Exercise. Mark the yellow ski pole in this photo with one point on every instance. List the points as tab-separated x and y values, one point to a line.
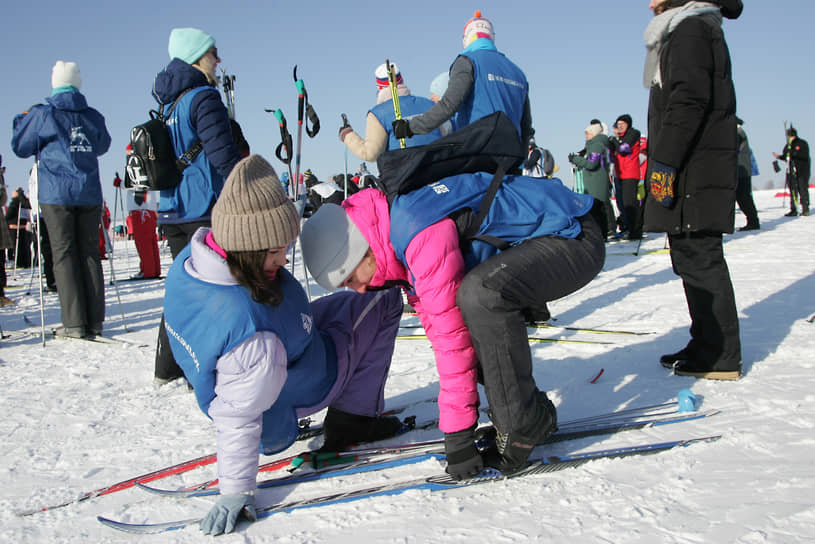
395	95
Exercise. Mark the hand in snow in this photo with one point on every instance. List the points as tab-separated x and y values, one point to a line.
223	516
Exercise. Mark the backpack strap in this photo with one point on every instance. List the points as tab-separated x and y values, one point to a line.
189	155
470	231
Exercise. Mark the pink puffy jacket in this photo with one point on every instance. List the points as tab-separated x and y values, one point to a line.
436	270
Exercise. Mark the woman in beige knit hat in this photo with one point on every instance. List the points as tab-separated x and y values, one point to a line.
259	355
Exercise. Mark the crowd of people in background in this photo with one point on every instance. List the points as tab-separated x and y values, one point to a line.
276	355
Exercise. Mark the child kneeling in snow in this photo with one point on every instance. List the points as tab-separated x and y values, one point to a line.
259	355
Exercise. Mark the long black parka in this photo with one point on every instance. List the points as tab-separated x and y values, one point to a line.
692	127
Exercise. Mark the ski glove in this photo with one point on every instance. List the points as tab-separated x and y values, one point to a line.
345	130
401	129
463	459
223	516
624	149
662	183
571	157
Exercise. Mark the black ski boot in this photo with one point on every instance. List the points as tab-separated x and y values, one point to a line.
342	429
512	449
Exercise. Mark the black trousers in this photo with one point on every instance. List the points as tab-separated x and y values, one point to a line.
698	258
799	189
73	232
744	198
492	299
178	236
631	205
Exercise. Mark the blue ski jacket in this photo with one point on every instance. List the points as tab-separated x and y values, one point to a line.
199	115
67	137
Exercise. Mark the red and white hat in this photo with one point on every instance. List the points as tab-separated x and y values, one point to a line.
382	76
477	27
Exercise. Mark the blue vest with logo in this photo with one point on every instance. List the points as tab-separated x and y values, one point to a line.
193	198
498	85
523	208
409	107
205	321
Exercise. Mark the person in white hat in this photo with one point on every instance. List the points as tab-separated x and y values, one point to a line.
67	136
379	121
260	356
482	81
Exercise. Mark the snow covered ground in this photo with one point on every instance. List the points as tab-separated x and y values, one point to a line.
78	416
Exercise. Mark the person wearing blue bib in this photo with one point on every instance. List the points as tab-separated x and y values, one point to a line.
537	242
482	81
260	356
200	115
378	129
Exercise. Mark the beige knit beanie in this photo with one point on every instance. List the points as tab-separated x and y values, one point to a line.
253	212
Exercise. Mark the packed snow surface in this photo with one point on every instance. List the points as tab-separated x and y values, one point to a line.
78	416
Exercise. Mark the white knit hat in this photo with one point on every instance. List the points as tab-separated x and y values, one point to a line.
381	76
65	73
595	129
253	211
332	245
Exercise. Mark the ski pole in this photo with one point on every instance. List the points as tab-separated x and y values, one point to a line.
108	244
285	146
397	110
304	112
345	192
228	83
39	258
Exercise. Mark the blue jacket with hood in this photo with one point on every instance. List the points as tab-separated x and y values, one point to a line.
199	115
67	136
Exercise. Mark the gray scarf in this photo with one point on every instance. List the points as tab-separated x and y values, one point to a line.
659	32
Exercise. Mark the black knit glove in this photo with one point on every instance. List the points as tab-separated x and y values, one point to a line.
463	459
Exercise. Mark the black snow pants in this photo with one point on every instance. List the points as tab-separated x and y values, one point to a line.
492	298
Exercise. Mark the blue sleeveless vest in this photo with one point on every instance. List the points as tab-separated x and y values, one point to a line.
409	106
194	196
523	208
205	321
498	85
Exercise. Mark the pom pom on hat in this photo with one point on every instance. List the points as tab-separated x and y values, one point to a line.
381	75
332	246
189	44
253	212
477	27
64	74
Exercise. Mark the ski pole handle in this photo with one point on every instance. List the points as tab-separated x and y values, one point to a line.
397	110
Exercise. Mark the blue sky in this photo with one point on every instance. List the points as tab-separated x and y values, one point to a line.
582	59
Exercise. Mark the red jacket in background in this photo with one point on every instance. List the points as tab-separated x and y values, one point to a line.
628	165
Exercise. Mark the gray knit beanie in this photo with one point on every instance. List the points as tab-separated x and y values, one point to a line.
332	245
253	212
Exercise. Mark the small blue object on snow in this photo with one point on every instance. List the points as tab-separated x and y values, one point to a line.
687	400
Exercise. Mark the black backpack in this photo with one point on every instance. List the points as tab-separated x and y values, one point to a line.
482	146
152	164
490	144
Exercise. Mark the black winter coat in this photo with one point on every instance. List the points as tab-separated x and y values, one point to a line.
692	127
